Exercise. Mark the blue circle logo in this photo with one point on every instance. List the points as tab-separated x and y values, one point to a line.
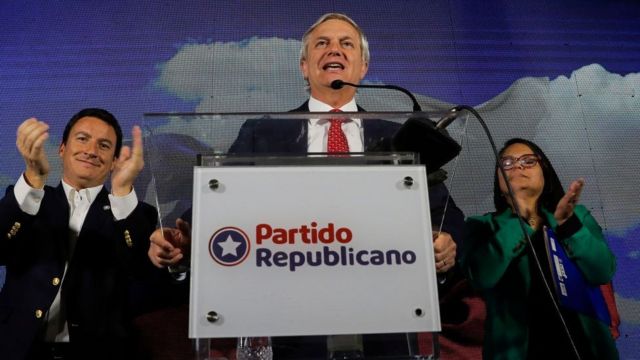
229	246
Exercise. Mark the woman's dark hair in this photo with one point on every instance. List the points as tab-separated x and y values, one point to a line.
101	114
552	191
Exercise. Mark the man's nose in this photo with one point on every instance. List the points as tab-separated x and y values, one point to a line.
334	49
91	149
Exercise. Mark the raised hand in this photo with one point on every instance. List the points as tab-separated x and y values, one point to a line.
30	139
128	165
565	206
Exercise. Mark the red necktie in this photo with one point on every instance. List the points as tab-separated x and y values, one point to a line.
336	139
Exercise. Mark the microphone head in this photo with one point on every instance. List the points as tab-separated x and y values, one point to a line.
337	84
448	118
419	135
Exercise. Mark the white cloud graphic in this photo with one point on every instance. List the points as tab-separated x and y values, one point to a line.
258	74
588	124
629	309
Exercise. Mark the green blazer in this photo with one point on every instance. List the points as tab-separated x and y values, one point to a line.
492	260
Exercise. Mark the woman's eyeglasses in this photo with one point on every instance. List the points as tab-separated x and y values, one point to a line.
526	161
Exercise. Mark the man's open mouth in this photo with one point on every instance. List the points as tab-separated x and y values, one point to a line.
333	66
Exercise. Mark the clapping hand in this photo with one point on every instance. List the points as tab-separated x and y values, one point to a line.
564	209
128	165
30	139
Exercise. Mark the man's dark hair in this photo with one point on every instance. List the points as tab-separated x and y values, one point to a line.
101	114
552	191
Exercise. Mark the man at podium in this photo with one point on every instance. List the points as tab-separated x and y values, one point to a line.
334	48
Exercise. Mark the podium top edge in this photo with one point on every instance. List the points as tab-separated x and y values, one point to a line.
291	114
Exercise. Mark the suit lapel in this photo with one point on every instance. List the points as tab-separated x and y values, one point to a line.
61	213
61	202
280	136
96	215
377	133
299	131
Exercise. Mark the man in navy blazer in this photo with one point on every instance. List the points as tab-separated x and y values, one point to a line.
334	48
72	251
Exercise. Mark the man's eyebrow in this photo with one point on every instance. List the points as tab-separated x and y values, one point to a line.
84	133
102	140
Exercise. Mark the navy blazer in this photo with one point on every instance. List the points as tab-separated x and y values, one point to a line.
96	288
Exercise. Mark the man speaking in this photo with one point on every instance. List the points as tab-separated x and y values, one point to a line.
333	48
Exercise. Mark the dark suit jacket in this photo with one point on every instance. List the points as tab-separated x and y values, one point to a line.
290	136
96	288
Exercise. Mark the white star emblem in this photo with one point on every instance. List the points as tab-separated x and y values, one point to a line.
229	246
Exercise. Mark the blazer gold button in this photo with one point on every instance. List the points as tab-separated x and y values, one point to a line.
55	281
39	314
127	238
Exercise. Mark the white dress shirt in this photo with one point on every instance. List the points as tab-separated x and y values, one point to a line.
318	129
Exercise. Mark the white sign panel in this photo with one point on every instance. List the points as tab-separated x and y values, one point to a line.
311	250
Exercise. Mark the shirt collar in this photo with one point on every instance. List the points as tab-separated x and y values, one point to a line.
316	105
90	193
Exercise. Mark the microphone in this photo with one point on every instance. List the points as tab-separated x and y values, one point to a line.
339	84
429	139
422	136
419	134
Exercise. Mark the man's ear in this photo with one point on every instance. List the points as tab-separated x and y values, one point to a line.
304	69
113	163
363	71
61	150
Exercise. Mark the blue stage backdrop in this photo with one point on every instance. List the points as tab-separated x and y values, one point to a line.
562	73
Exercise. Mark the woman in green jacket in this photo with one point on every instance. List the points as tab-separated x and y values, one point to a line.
522	318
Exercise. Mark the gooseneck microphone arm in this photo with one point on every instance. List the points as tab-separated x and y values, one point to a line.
444	122
451	115
339	84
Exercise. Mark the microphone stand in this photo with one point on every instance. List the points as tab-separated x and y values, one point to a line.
339	84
